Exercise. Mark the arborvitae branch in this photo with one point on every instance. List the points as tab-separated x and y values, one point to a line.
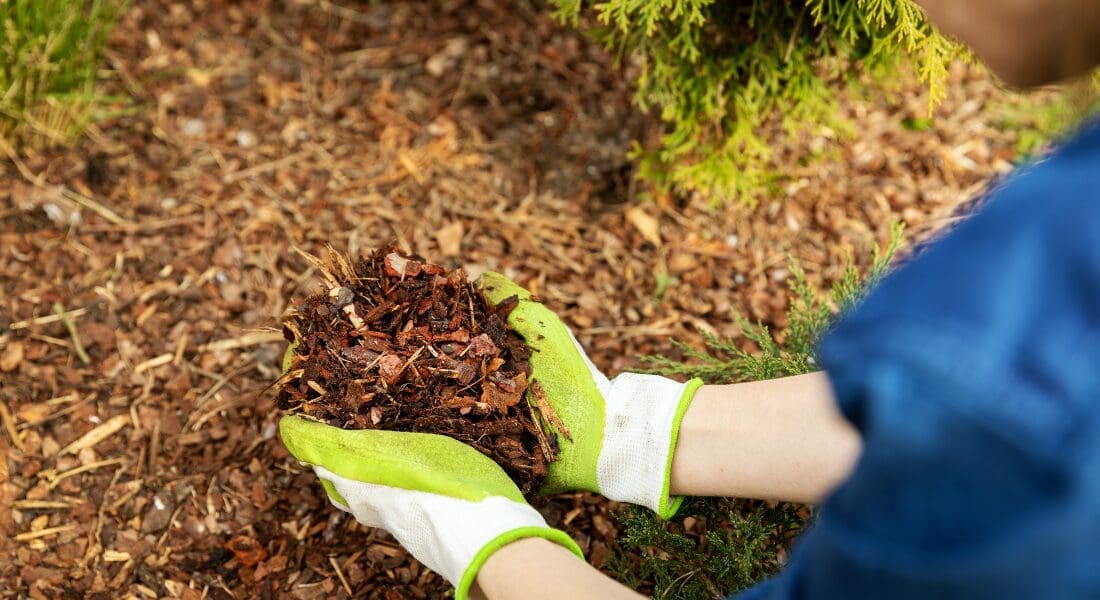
718	70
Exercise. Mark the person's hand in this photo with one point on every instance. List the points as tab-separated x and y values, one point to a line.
449	505
623	431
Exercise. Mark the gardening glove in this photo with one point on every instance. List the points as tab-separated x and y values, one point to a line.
623	430
449	505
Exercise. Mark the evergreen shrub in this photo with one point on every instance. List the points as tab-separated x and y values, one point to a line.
721	73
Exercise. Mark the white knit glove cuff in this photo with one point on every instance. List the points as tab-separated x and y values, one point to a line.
643	414
446	534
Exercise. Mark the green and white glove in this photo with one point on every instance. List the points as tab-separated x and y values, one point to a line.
623	429
449	505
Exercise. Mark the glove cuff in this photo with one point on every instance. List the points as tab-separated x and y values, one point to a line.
462	587
642	423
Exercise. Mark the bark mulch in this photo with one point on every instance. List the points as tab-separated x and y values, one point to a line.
401	344
143	273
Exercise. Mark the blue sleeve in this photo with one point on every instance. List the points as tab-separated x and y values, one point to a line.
973	375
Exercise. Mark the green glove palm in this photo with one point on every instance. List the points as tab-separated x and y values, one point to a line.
449	505
623	430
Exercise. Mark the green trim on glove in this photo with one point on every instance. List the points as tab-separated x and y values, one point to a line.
413	461
670	505
462	590
563	373
333	495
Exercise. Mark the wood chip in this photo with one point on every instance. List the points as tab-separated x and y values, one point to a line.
11	356
115	556
249	339
105	430
57	479
152	363
645	224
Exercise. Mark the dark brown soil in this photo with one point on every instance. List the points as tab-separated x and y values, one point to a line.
400	344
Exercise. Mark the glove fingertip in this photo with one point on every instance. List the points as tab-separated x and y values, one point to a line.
296	433
497	288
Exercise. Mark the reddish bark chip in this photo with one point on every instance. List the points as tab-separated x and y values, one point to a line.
483	345
400	266
246	550
389	367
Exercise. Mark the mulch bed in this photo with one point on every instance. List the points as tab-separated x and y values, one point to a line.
143	273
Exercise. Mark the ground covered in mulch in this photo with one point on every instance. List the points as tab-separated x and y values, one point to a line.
143	274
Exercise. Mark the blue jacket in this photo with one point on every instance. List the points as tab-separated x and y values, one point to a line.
973	375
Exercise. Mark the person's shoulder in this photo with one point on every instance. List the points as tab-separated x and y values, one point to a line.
1067	178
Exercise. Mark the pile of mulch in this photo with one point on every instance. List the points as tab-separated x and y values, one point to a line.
400	344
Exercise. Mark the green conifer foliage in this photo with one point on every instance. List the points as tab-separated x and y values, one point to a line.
718	71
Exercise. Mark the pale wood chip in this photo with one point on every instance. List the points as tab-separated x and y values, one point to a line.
115	556
107	429
154	362
254	338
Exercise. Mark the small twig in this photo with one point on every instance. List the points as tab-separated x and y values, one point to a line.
40	504
71	326
82	469
794	32
340	574
33	535
265	167
219	382
626	330
414	356
96	207
52	340
180	348
71	314
58	414
341	12
547	410
544	443
9	425
154	362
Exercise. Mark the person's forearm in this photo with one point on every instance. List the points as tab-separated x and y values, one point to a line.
781	439
536	568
